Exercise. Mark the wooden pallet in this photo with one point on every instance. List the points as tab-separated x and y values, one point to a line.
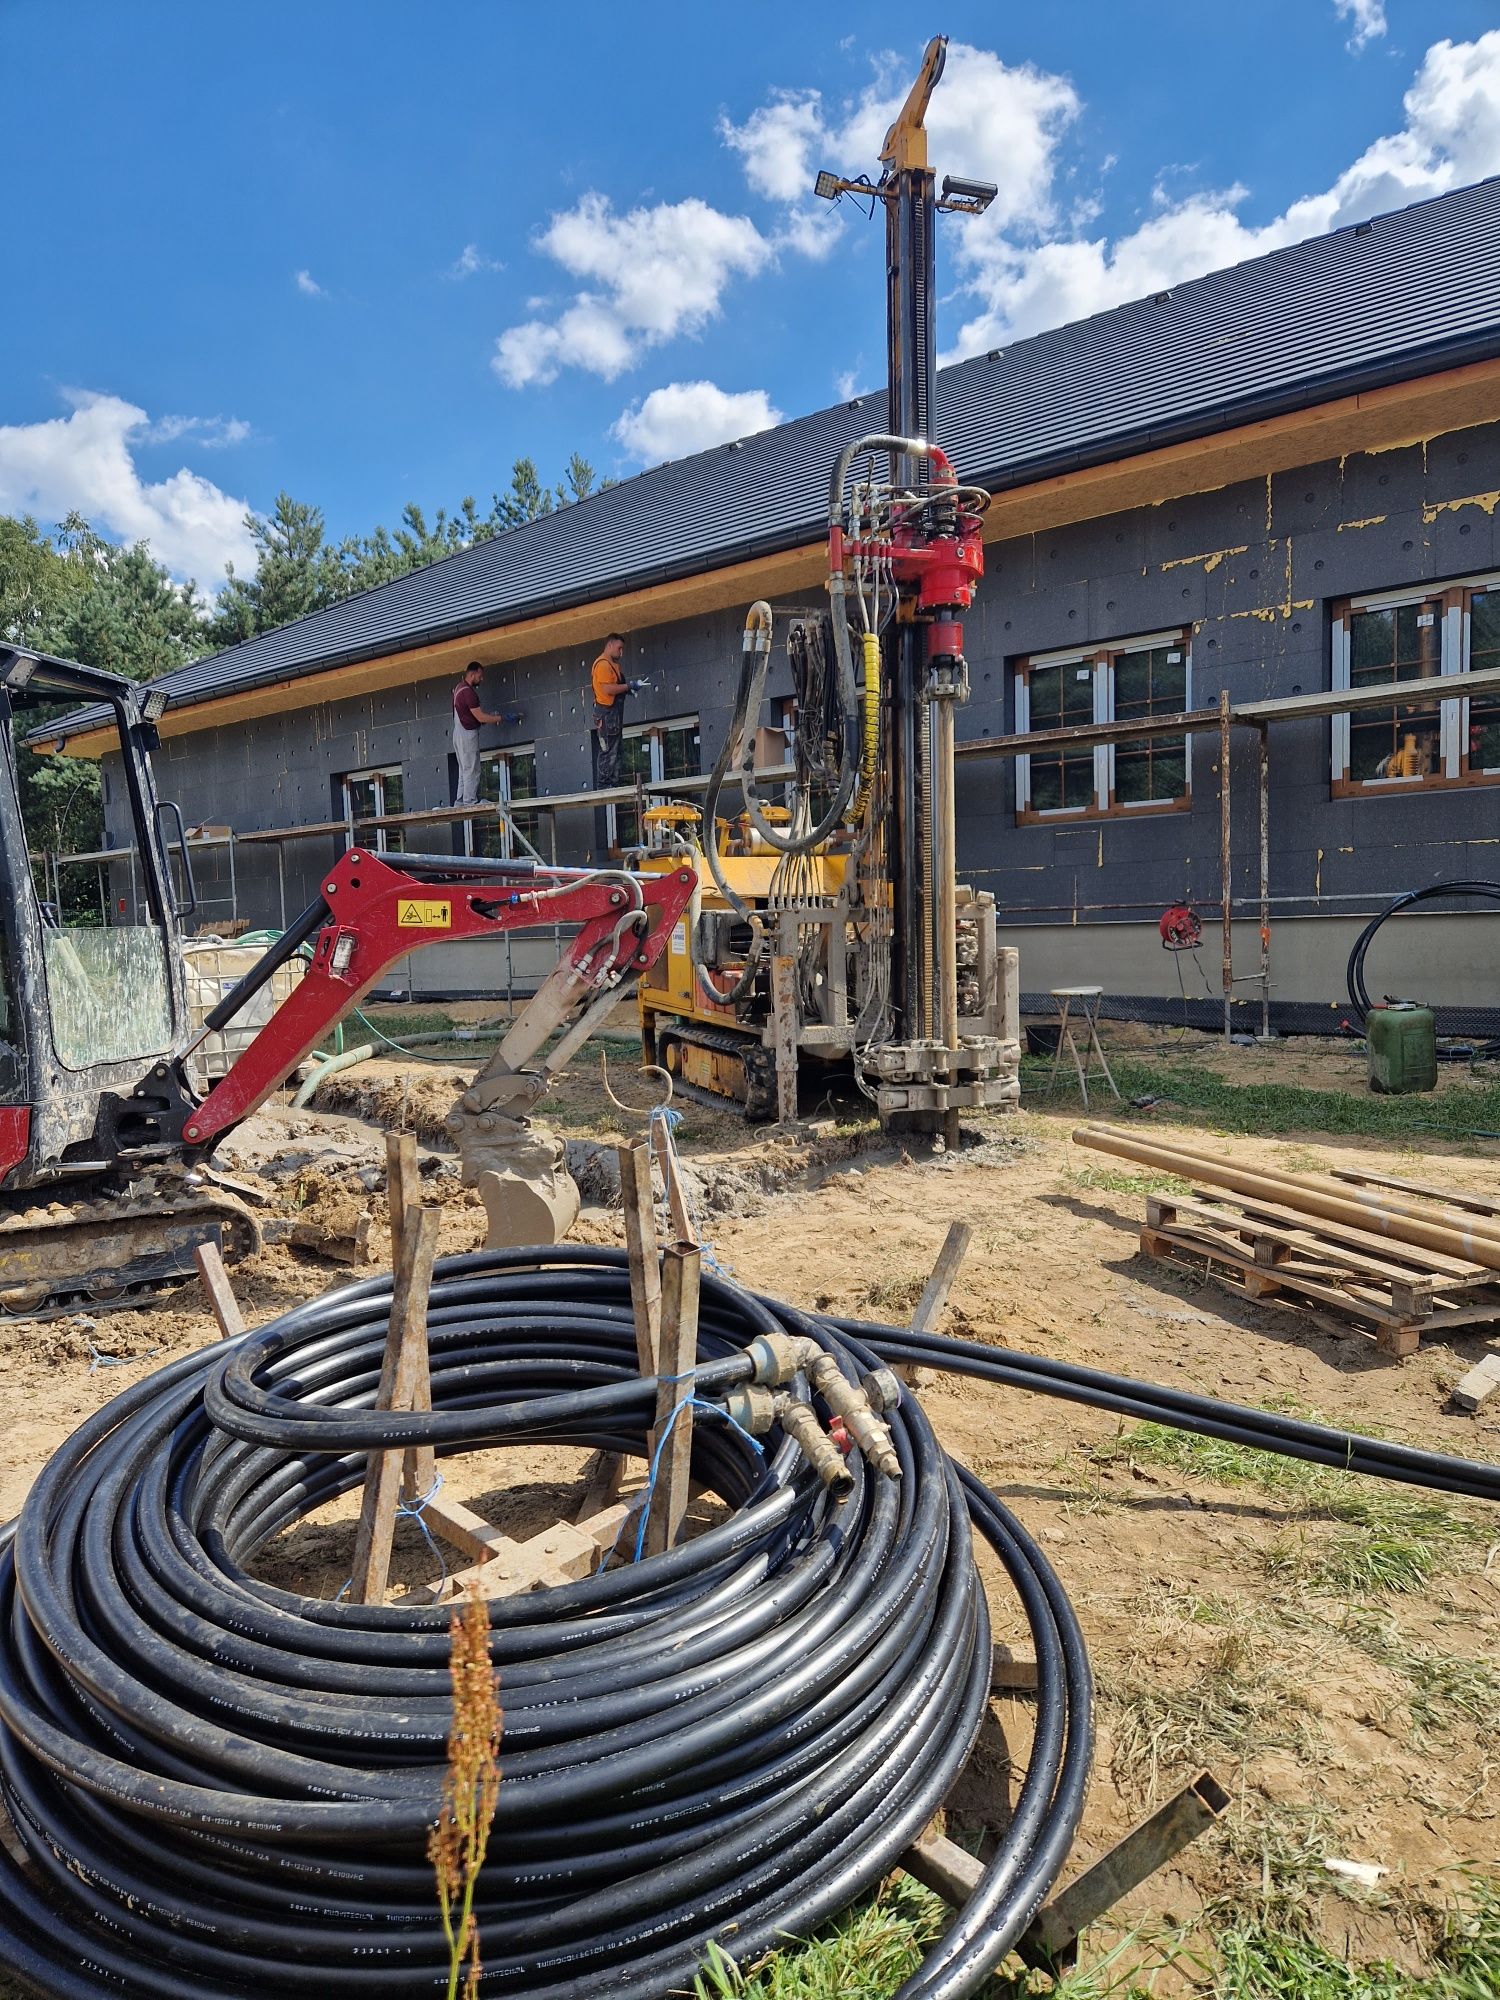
1397	1292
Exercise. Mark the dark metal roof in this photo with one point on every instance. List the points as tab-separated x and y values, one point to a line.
1377	302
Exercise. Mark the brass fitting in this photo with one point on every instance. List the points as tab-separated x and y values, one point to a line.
860	1420
820	1451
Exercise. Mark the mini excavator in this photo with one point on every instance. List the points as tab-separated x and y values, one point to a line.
106	1137
829	928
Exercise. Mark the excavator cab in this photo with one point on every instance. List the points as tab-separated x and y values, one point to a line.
92	1003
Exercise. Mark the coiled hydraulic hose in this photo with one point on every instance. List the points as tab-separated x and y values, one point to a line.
223	1788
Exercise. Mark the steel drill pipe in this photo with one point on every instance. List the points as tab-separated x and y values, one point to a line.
1473	1238
224	1788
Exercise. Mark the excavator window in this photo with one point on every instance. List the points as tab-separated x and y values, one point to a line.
108	993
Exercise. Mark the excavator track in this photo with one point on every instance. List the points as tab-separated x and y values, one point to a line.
717	1067
58	1257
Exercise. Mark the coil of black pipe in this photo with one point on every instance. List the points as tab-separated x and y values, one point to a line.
223	1789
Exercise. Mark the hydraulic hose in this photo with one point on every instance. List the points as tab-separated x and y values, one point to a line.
224	1788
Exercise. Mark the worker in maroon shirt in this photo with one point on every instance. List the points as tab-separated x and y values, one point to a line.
468	717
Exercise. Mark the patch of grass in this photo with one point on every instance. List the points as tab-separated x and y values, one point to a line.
896	1296
1117	1180
1261	1961
1233	1697
867	1953
1390	1538
863	1955
1278	1108
1442	1689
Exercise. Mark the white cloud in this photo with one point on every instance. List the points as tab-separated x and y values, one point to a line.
988	120
1367	19
210	433
684	417
846	383
1451	137
306	282
86	461
471	260
645	277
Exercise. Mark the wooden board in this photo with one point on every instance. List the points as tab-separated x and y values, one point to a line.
1395	1291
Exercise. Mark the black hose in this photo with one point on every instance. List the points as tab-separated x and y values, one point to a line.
1354	974
223	1788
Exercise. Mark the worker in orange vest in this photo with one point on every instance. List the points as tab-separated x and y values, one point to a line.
610	690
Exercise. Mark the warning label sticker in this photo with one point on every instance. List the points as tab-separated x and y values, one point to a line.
679	935
424	916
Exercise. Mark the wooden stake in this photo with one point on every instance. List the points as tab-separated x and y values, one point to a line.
935	1296
677	1208
403	1180
221	1298
640	1245
404	1363
679	1351
636	1194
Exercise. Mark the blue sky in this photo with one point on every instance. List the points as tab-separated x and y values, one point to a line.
373	253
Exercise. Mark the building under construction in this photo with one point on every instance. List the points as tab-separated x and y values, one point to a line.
1215	511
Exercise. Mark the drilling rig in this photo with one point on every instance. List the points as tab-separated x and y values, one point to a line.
829	927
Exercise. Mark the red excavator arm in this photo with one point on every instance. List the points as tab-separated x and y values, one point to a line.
375	910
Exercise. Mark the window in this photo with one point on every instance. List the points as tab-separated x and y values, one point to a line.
1433	637
650	752
1137	681
368	795
505	777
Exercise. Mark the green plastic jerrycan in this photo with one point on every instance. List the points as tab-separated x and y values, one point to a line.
1401	1045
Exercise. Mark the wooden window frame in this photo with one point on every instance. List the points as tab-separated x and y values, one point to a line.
1100	660
1455	600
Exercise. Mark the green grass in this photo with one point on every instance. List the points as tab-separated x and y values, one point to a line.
1117	1180
1275	1109
1260	1962
1385	1537
866	1955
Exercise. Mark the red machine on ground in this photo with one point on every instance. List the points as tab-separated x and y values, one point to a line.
97	1094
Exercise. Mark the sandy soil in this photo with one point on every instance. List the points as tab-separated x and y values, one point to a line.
1210	1646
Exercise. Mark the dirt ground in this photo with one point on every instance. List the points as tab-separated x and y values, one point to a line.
1345	1719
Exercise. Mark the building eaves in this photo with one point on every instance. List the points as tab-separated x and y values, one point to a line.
1407	294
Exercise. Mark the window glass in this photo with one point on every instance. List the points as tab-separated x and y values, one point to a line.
107	993
1401	642
1151	681
1061	696
504	777
1483	745
651	753
370	795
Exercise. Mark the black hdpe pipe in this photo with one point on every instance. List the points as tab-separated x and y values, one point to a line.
1354	971
223	1788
